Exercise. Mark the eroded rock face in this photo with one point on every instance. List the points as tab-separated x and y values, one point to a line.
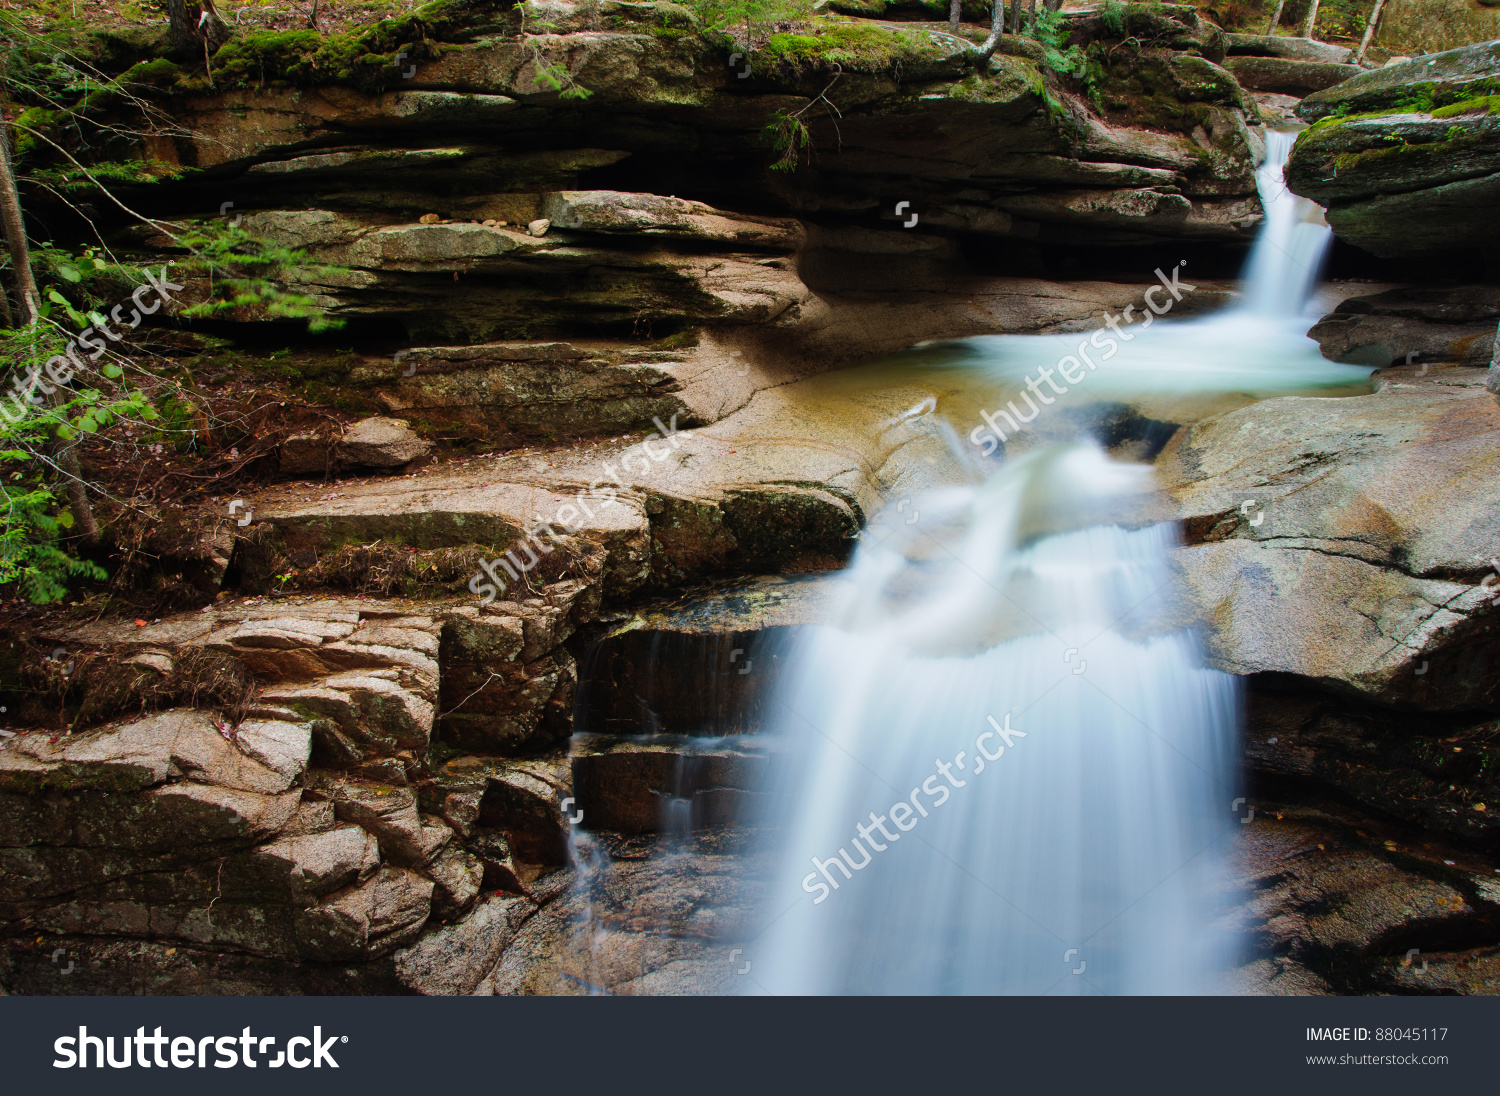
1363	558
1413	324
1407	157
1341	904
643	923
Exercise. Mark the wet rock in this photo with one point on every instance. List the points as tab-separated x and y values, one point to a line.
646	784
1333	909
640	921
1432	772
1413	324
704	663
525	800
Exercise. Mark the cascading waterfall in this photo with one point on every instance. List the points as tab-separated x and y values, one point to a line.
1008	765
1289	249
1257	347
1008	770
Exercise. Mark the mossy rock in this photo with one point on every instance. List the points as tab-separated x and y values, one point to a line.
1343	159
1422	84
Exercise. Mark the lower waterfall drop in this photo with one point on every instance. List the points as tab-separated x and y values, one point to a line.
1007	770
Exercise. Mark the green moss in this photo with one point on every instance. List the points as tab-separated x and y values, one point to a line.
865	49
1403	151
158	72
1484	104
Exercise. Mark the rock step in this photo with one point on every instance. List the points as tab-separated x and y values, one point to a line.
668	783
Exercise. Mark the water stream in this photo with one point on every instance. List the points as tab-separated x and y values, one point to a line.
1008	769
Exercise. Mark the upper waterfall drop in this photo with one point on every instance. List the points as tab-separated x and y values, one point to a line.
1293	240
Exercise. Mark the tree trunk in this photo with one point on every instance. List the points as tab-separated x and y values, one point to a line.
1276	17
1309	29
15	237
955	15
5	312
1370	30
1015	16
20	258
997	28
190	30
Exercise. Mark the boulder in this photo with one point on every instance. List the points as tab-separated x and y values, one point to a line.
1289	77
1308	50
1454	76
1413	324
1407	157
1342	160
380	443
1348	541
374	442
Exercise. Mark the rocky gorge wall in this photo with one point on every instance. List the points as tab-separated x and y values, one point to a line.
628	316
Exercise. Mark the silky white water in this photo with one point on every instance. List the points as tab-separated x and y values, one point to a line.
1008	770
1257	347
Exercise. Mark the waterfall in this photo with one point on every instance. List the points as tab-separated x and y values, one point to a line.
1006	768
1007	771
1289	249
